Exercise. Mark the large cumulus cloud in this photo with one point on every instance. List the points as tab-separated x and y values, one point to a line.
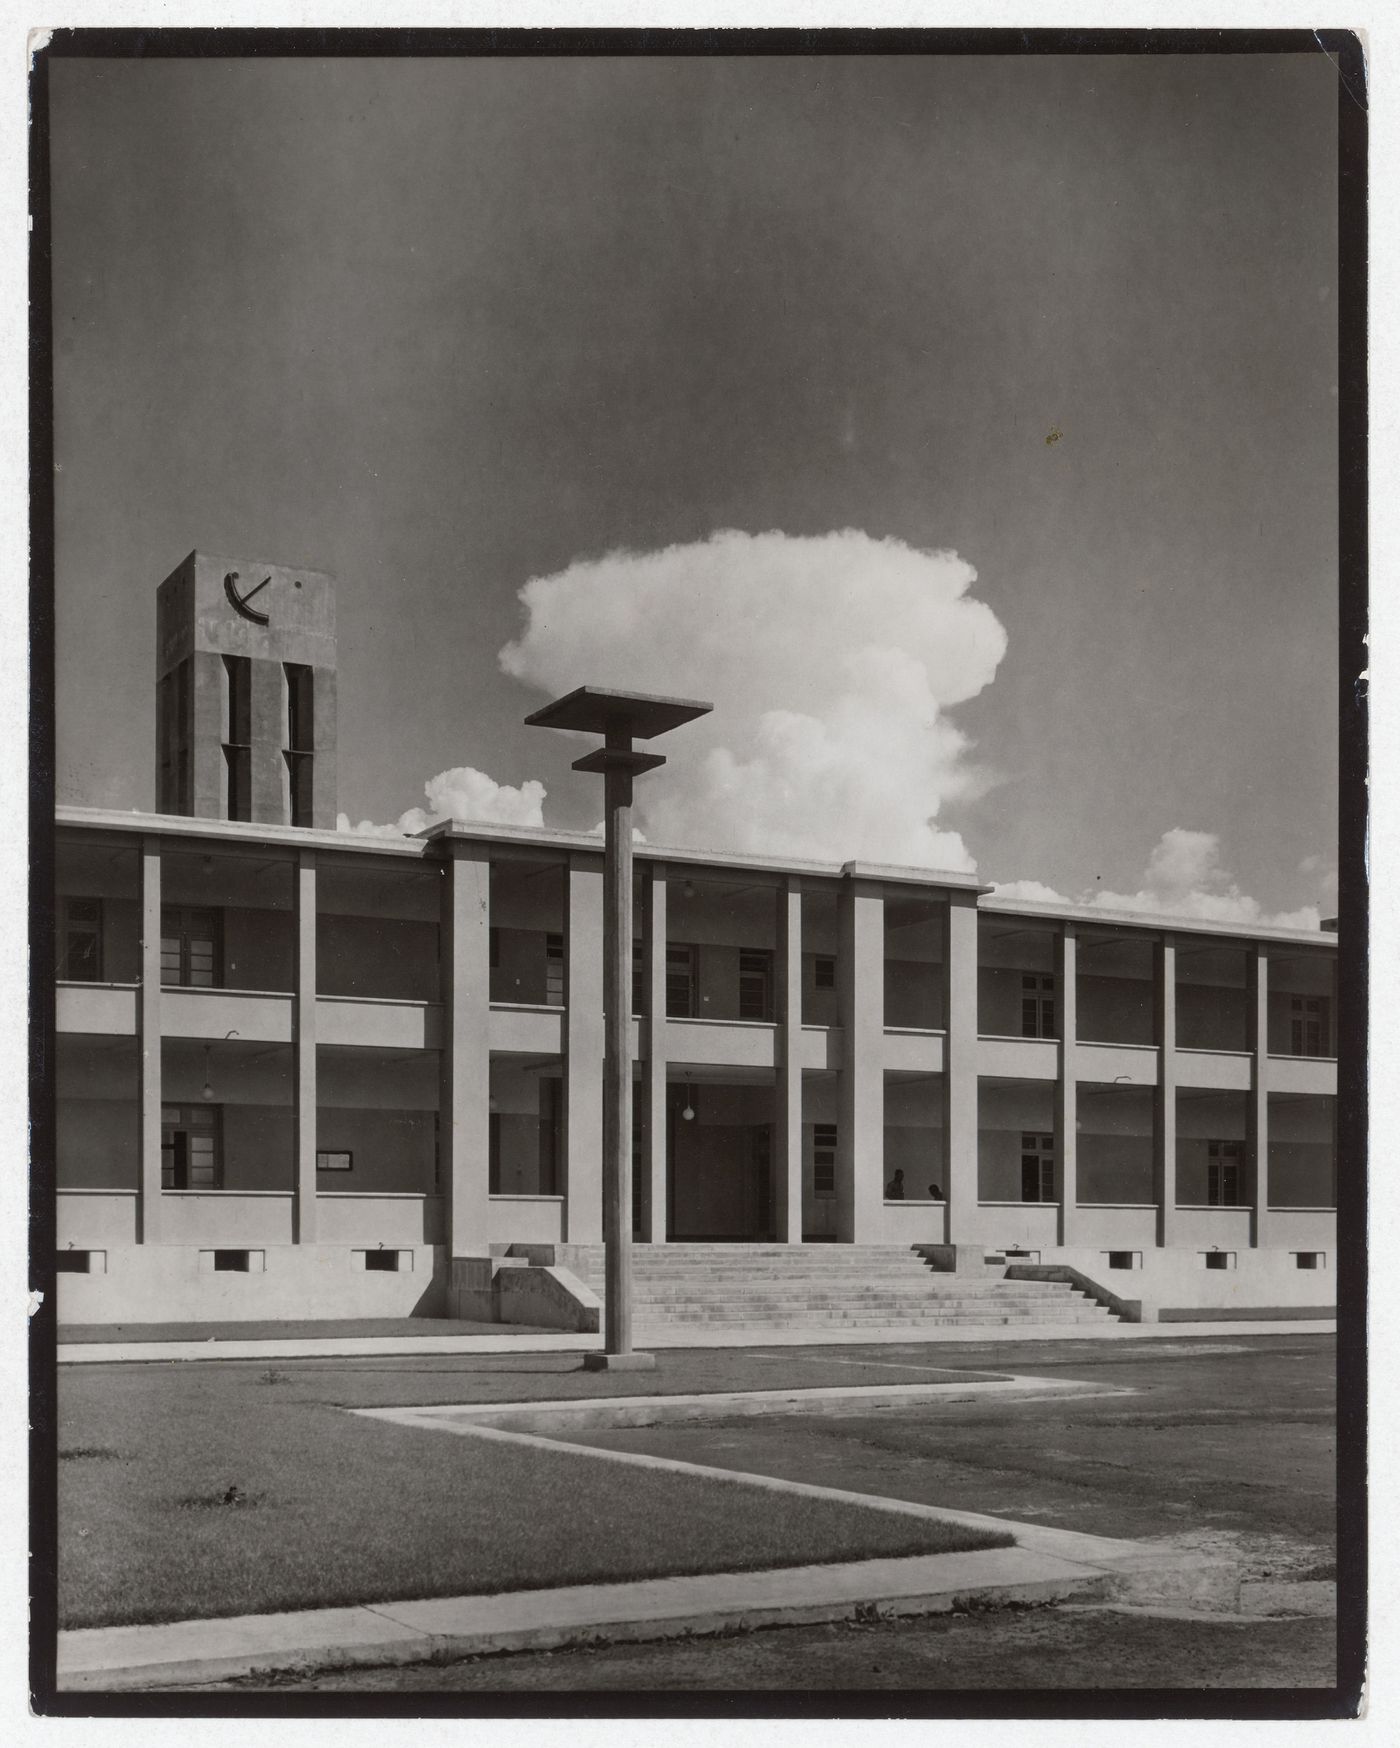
831	660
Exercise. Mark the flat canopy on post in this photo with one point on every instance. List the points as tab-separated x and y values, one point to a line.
594	710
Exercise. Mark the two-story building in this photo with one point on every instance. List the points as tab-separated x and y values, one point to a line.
306	1073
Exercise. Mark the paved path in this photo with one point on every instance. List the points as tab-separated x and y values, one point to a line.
330	1346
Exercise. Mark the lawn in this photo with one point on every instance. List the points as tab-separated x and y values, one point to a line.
191	1490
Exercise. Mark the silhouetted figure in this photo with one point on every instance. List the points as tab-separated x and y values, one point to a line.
894	1189
935	1193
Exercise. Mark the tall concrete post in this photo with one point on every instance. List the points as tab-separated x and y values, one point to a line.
149	1206
787	1150
304	1098
654	1163
860	1136
1257	1118
619	717
960	1068
583	1052
465	1121
1164	1102
617	1057
1066	1085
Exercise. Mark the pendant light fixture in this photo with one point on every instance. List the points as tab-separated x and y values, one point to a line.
688	1113
207	1091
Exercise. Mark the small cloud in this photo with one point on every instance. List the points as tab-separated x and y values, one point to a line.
1184	877
1031	891
464	794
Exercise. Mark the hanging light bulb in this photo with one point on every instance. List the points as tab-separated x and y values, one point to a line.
207	1091
689	1112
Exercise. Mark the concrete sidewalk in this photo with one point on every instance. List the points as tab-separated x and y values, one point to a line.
346	1347
185	1652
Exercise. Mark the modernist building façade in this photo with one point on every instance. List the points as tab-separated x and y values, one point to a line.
302	1072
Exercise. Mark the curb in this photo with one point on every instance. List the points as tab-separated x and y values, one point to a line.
75	1353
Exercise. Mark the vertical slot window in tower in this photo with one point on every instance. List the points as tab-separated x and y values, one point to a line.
238	737
301	741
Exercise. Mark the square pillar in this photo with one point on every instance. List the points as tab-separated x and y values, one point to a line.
1257	1116
583	1051
1164	1102
860	978
960	1067
304	1047
1066	1087
653	1053
465	1124
787	1111
148	1027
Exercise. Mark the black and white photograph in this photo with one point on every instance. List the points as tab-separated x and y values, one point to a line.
698	947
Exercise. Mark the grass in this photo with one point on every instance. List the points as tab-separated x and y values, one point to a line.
200	1490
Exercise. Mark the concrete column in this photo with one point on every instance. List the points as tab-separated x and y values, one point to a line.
860	979
960	1068
653	1053
1066	1086
787	1092
148	1024
304	1047
1164	1104
1257	1116
583	1052
464	1122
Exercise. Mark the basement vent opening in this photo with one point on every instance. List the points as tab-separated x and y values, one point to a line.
237	1262
1310	1259
79	1262
385	1260
1220	1259
1125	1259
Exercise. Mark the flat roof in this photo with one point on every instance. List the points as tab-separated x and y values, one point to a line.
537	837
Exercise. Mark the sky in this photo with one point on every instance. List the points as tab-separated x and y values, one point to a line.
964	428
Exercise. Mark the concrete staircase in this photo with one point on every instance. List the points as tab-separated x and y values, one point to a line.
768	1287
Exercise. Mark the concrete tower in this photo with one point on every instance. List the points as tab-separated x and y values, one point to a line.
245	692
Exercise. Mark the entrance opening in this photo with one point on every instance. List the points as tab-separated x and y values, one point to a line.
719	1139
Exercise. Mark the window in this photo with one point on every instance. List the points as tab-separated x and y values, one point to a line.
1037	1007
301	741
190	947
554	970
823	972
80	953
680	982
1308	1025
1037	1168
755	986
639	979
190	1147
824	1161
1225	1170
238	751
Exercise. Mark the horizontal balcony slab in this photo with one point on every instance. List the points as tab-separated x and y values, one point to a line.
214	1013
361	1217
1227	1228
721	1043
1018	1058
913	1052
1127	1064
100	1009
1219	1070
527	1031
389	1025
1302	1074
225	1219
